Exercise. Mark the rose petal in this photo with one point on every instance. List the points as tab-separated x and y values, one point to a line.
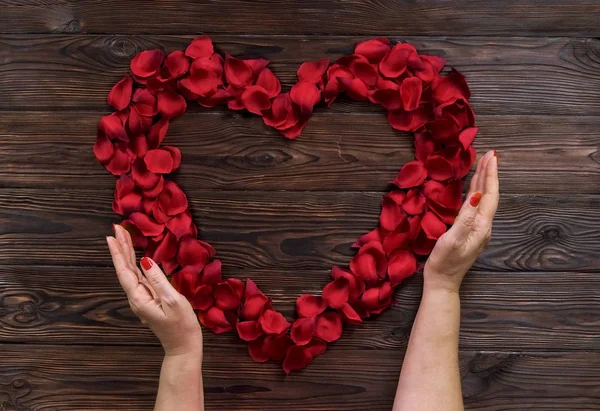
202	299
159	161
408	120
256	350
312	71
226	297
120	94
439	168
211	274
249	330
191	254
355	285
256	99
157	133
253	306
167	248
303	330
147	63
112	127
401	265
450	87
172	199
177	64
329	327
237	72
200	47
432	226
336	293
391	214
414	203
296	359
171	104
374	49
180	224
143	177
103	148
310	305
273	322
395	62
355	88
305	95
467	136
147	226
411	90
349	315
215	320
268	81
370	262
412	174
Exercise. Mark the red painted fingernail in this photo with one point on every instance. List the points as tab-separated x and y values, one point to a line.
146	263
475	199
495	153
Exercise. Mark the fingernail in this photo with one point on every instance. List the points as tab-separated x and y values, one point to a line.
475	199
495	153
146	263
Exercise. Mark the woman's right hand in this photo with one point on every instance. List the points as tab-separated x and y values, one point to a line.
154	300
456	250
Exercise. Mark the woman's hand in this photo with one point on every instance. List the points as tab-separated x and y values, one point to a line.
154	300
456	250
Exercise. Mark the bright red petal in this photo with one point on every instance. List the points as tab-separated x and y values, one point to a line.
412	174
329	327
401	264
273	322
303	330
120	95
336	293
147	63
310	305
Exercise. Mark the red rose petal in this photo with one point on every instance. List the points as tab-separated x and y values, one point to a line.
103	148
439	168
395	62
179	224
256	350
306	95
172	199
211	274
256	99
355	88
349	315
268	81
202	299
296	359
215	320
411	90
365	71
433	226
336	293
329	327
414	203
408	120
312	71
177	64
391	214
310	306
139	240
303	330
374	50
157	133
159	161
166	249
143	177
412	174
147	226
257	65
356	285
144	102
200	47
226	298
388	98
401	265
273	322
370	262
237	72
171	104
467	136
373	235
147	63
112	127
120	94
253	306
450	88
249	330
192	254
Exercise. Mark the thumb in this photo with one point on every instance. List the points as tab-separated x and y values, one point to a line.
466	217
158	280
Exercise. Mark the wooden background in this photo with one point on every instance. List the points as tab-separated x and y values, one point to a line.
282	212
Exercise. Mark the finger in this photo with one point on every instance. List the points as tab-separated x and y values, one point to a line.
480	182
491	193
158	280
473	183
465	221
124	239
127	278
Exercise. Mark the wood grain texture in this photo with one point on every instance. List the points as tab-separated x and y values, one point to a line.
292	230
336	152
507	76
438	17
76	378
85	305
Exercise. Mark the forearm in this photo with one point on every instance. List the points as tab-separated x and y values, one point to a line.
180	385
430	374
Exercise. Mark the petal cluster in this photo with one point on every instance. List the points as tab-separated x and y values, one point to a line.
424	200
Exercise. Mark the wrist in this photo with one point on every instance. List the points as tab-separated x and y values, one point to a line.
435	281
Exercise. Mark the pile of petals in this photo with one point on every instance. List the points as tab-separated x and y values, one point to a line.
425	198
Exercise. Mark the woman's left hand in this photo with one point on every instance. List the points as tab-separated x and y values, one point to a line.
154	300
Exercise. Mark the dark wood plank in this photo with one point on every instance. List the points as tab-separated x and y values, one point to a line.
507	75
500	311
538	154
77	378
510	17
292	230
